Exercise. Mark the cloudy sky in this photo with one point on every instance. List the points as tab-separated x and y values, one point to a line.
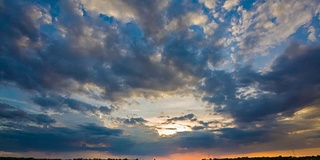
165	79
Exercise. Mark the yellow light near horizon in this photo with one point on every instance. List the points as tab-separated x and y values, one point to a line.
170	129
284	153
207	154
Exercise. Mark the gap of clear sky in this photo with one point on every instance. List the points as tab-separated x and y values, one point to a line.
165	79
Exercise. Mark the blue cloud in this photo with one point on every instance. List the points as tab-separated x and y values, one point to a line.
14	114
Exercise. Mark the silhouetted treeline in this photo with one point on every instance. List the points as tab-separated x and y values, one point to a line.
239	158
23	158
269	158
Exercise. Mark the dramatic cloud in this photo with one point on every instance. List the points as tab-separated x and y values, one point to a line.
134	120
229	4
190	117
14	114
262	28
159	78
68	58
59	139
289	86
62	104
312	34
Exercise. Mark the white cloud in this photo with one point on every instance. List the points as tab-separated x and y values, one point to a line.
173	25
269	24
229	4
162	4
195	19
39	16
233	58
191	18
312	34
211	4
117	9
210	28
249	92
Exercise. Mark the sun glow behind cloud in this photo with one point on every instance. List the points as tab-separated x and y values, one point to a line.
170	129
156	112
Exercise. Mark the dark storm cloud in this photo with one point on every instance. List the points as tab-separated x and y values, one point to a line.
208	125
156	14
131	121
54	61
151	18
60	103
292	84
220	84
159	148
99	130
105	109
197	140
134	121
92	137
226	139
196	128
185	51
57	139
190	117
36	139
188	48
185	54
11	33
24	65
241	136
88	137
13	114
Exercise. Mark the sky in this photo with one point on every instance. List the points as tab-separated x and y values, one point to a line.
164	79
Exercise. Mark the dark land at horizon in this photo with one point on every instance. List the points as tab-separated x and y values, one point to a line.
239	158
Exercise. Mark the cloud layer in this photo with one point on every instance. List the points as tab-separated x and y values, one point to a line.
255	64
